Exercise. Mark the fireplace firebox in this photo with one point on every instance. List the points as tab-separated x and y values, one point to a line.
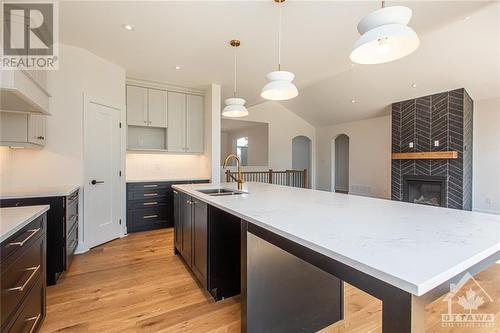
425	190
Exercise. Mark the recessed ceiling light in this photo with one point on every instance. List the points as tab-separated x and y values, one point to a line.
177	67
128	27
353	101
466	18
414	85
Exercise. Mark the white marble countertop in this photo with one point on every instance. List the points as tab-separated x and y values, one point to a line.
413	247
164	180
38	192
13	219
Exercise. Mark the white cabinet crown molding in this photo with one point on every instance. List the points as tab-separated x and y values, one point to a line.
163	86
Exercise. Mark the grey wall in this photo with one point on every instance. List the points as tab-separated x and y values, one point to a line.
301	154
258	143
342	163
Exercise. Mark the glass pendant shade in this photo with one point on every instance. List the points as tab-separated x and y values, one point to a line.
235	107
279	86
385	36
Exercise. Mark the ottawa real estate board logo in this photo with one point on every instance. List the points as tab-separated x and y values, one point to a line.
30	34
466	302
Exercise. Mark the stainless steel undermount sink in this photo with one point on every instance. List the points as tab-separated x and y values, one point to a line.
221	191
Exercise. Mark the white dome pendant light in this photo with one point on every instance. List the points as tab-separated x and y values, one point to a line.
279	86
385	36
235	107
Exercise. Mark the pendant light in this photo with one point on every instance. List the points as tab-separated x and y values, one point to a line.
235	106
279	86
385	36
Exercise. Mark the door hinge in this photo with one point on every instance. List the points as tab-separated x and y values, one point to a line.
120	173
120	124
120	221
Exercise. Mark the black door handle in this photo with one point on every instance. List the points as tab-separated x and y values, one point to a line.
93	182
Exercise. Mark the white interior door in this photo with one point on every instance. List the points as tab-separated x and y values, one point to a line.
102	195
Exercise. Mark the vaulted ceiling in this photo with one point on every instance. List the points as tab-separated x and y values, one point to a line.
460	47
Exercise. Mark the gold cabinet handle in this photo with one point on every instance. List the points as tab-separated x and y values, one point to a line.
152	185
150	203
21	288
149	216
150	194
36	320
33	233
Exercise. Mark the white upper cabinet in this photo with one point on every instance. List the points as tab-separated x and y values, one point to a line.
176	133
157	108
195	124
22	129
24	91
137	106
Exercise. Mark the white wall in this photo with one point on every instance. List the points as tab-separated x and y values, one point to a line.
61	160
369	156
284	125
486	160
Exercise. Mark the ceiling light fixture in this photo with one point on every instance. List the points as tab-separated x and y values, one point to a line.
353	101
235	106
414	85
385	36
128	27
279	86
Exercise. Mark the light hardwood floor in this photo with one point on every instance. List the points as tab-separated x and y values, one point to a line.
136	284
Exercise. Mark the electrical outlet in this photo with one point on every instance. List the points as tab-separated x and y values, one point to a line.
436	143
410	145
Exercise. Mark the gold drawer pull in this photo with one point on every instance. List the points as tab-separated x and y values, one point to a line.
36	319
21	288
150	194
33	233
154	185
150	203
149	216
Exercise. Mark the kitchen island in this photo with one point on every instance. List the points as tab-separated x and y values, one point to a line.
404	254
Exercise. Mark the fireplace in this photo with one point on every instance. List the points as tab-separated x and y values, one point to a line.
425	190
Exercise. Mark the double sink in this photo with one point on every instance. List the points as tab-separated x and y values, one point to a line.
216	192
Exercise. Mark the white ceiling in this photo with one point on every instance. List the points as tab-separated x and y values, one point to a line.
317	39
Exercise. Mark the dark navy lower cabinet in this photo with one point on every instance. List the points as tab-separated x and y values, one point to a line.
150	205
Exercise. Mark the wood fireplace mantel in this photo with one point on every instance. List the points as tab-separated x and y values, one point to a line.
427	155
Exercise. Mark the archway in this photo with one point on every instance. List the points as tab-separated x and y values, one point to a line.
341	164
301	155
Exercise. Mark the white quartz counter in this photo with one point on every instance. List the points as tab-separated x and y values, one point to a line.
413	247
13	219
39	192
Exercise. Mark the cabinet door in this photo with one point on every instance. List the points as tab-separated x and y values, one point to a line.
177	221
137	106
195	124
36	129
200	240
157	108
176	132
187	227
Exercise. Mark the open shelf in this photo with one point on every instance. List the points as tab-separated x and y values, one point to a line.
147	138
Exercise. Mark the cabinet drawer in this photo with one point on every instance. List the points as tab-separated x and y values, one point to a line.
22	239
149	203
71	243
147	195
147	186
146	219
19	275
70	223
32	311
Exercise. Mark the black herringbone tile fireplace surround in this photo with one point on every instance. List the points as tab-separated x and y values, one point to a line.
447	118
